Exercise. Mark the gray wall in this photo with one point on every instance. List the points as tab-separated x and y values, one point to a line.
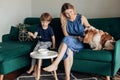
13	12
89	8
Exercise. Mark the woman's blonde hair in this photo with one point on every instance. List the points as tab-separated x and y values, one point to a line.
66	6
63	17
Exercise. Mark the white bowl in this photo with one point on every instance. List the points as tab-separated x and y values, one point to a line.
43	51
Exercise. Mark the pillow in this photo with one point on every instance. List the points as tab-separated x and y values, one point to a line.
14	32
23	31
23	36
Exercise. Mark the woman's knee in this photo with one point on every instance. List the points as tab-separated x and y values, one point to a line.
70	51
62	45
66	38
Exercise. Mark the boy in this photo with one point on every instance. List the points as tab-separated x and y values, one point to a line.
46	35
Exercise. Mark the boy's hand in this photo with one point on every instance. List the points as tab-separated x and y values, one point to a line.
30	33
38	37
53	48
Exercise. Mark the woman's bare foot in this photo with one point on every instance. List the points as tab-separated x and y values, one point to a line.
67	78
50	68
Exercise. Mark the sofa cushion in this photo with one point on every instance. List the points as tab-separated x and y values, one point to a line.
14	32
32	28
94	55
15	49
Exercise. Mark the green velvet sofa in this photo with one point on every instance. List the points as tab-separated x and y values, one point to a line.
14	54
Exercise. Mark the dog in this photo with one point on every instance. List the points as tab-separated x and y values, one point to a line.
98	39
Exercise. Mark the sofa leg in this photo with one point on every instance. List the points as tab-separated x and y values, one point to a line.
107	77
1	77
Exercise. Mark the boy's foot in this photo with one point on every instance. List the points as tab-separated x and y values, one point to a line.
34	74
50	68
29	72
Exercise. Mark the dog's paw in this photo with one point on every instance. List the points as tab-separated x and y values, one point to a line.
96	49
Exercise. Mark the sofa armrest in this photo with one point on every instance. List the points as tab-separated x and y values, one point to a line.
116	57
6	37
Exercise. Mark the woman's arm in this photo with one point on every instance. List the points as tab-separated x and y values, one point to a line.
63	24
64	31
85	22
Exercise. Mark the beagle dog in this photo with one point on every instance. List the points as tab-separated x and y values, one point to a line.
97	39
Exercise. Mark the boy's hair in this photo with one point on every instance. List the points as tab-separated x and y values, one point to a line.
45	17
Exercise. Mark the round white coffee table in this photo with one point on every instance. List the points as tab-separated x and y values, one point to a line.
39	57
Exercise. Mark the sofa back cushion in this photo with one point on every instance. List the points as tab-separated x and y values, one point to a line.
110	25
31	20
56	25
32	28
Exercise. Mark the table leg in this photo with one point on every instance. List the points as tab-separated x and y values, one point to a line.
38	69
55	74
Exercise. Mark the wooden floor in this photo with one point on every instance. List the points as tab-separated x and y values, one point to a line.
15	74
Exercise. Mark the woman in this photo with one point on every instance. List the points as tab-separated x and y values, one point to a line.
73	25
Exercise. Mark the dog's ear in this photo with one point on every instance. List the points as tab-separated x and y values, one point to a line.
88	35
89	29
94	31
86	31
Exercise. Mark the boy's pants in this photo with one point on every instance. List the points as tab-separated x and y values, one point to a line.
40	45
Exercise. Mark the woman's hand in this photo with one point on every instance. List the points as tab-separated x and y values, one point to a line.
78	37
53	48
